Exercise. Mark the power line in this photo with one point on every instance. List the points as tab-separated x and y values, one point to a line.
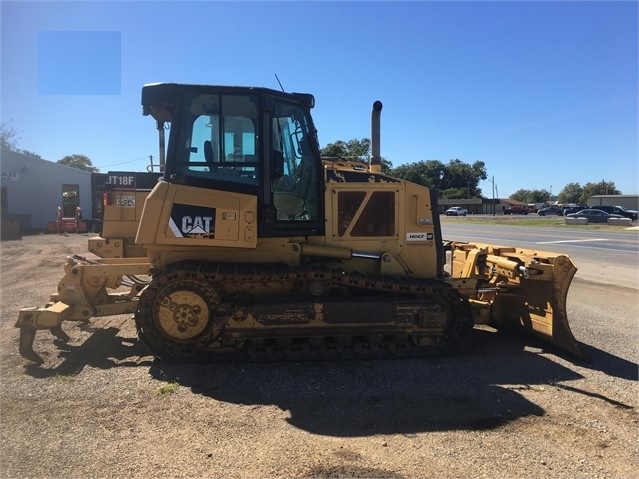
125	162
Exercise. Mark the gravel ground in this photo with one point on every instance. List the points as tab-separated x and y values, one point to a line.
507	407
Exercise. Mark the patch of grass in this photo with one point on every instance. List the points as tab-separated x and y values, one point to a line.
546	221
167	388
525	221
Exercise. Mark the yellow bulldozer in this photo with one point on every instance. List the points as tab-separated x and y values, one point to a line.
251	242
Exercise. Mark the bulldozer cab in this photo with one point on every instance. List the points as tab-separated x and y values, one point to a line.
249	142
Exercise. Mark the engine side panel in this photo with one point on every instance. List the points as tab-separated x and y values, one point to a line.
372	214
183	215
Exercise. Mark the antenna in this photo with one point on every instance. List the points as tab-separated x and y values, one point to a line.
278	81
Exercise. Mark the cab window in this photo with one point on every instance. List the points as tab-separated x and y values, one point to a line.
222	143
295	177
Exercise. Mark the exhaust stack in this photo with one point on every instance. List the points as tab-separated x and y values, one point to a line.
376	159
160	125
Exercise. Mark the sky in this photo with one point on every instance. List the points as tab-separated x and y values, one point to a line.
544	93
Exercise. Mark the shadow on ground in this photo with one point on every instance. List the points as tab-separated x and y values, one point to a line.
474	390
103	349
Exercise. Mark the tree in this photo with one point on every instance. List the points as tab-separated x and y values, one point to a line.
426	173
571	193
521	195
539	196
335	150
353	150
460	180
531	196
8	137
9	141
81	162
601	188
454	180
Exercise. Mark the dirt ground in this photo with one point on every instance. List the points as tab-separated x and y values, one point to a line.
100	406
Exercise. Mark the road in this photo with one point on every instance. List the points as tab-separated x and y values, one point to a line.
607	257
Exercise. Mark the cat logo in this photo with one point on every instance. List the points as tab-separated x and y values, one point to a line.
419	236
189	221
196	224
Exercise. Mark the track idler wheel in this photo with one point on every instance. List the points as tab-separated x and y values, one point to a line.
175	317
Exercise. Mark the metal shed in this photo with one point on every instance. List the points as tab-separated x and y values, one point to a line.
630	202
33	188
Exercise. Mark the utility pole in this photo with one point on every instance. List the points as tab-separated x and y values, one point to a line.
493	182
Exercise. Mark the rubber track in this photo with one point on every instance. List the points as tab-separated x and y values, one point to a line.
208	348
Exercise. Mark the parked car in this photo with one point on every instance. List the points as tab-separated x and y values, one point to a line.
551	210
618	210
516	210
574	209
456	211
594	216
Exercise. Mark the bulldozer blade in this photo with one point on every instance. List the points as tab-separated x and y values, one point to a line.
539	307
520	289
27	335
